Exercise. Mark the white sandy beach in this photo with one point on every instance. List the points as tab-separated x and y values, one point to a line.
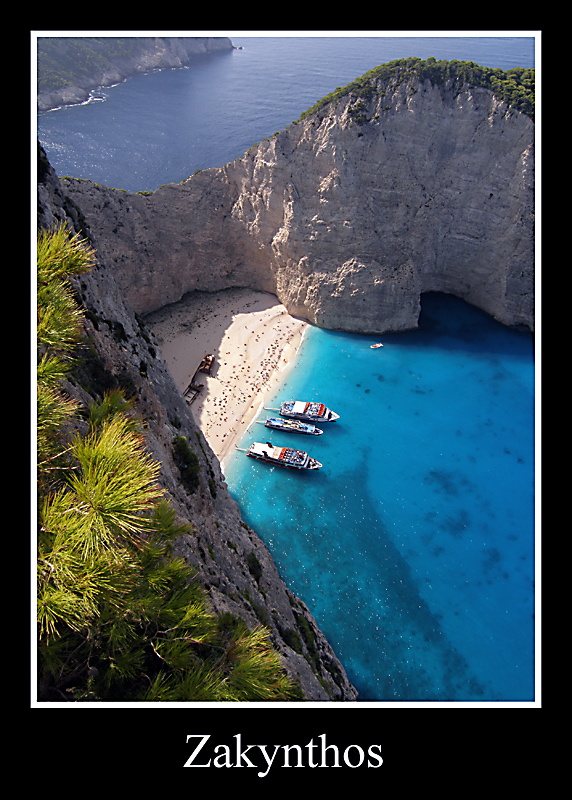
253	339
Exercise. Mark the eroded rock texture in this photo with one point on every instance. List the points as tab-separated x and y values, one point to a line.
347	216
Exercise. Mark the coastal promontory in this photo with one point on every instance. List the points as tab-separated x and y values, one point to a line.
69	68
410	182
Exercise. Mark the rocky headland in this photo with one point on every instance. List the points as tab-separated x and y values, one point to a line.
348	216
70	68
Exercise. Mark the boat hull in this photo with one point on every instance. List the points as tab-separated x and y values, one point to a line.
292	426
286	457
307	412
312	465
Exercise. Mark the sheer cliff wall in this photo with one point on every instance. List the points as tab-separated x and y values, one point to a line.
118	351
348	216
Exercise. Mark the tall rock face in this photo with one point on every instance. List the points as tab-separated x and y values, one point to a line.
233	564
348	216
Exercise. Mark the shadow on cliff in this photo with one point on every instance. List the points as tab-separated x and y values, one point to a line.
453	324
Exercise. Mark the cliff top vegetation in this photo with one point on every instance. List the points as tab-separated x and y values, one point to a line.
515	86
63	61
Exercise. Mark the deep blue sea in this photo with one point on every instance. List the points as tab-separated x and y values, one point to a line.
414	546
162	127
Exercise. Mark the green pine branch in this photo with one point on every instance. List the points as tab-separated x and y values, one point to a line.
119	618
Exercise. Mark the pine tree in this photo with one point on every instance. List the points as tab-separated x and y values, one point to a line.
119	617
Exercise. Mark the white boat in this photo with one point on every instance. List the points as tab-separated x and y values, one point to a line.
307	411
282	456
291	426
375	346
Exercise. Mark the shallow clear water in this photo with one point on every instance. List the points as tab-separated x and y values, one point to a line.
414	545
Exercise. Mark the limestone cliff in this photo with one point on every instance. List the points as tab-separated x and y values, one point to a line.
69	68
348	215
233	564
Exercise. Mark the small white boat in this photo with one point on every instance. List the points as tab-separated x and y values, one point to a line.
307	412
375	346
282	456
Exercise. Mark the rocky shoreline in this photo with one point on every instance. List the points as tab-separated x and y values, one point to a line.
153	53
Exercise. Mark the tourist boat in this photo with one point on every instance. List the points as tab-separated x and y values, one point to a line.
307	412
291	426
282	456
375	346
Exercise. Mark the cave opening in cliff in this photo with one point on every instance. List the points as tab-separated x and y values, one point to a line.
437	307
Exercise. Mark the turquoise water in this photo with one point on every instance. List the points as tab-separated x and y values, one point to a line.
414	545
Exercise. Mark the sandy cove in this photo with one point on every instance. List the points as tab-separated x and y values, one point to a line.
253	339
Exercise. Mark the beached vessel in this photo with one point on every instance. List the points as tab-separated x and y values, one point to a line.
307	412
206	364
282	456
291	426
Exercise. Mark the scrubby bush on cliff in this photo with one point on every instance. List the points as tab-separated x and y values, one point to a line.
515	87
187	462
119	618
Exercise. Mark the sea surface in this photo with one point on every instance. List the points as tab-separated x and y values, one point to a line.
414	546
161	127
